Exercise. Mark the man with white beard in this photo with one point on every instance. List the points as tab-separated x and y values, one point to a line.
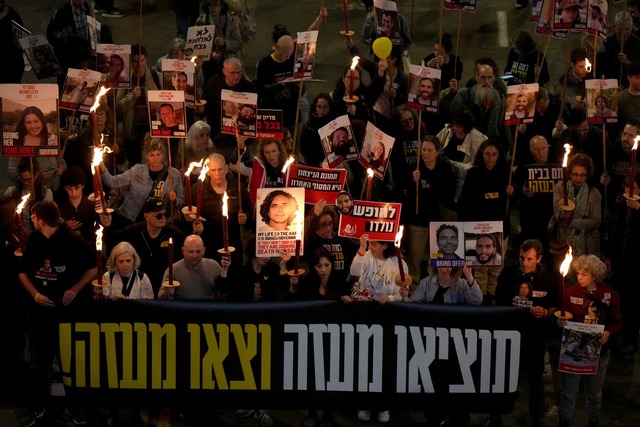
486	103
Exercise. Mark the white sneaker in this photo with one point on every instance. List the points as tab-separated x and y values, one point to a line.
383	417
364	415
263	416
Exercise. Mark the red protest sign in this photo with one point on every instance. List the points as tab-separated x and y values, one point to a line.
377	219
318	183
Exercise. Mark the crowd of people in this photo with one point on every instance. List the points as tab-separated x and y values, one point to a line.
465	168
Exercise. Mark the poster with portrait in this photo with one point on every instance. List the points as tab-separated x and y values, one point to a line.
521	104
167	115
424	88
376	150
602	101
180	75
479	244
41	57
380	220
543	178
80	89
387	20
466	5
305	55
114	62
277	226
570	15
95	27
200	42
536	8
269	124
319	184
239	113
544	25
580	348
597	21
29	120
338	141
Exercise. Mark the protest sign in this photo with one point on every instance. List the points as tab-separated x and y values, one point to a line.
521	104
380	220
580	349
167	114
338	141
269	124
276	222
114	62
239	112
319	184
41	56
305	55
80	89
482	244
424	88
200	42
180	75
376	150
602	101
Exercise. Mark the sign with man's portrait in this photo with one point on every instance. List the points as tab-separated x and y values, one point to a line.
239	113
167	114
277	225
180	75
80	89
387	20
424	88
338	141
521	104
114	62
478	244
305	55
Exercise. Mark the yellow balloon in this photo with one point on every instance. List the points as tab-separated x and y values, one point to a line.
382	47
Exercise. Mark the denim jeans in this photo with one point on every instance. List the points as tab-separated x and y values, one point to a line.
593	389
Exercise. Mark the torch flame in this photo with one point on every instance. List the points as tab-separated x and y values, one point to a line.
99	238
225	207
193	58
370	172
354	63
22	204
567	150
635	143
566	264
298	219
96	104
97	156
193	165
287	163
587	65
399	236
204	170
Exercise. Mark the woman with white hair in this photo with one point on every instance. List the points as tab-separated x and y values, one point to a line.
198	144
590	290
126	281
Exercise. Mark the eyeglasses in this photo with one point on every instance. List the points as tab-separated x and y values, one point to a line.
326	224
161	215
579	175
233	73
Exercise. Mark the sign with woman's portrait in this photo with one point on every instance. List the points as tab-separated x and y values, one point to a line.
376	150
114	62
602	101
29	118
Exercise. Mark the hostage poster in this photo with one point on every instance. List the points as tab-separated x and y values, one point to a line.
279	221
379	220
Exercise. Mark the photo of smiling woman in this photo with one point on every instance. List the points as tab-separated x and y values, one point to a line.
32	128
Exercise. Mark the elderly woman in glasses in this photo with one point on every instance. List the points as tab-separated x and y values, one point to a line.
577	227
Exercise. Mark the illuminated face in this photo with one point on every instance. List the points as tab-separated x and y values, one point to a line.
344	203
271	154
629	133
33	124
217	172
193	251
578	176
280	211
155	158
214	8
438	50
529	260
485	249
323	268
157	219
485	75
284	49
636	189
325	227
585	278
340	138
600	103
569	14
387	24
490	157
429	152
448	241
27	180
101	117
406	121
356	79
540	150
179	81
124	264
580	69
202	139
322	107
377	248
247	113
232	74
426	89
229	108
521	103
167	116
139	63
378	151
74	191
115	66
634	83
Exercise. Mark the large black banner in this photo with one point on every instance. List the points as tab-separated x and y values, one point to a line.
292	355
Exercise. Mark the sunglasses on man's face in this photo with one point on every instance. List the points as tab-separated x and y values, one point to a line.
161	215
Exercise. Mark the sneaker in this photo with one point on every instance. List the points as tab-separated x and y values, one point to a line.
494	421
79	417
383	417
364	415
263	416
244	413
112	13
31	417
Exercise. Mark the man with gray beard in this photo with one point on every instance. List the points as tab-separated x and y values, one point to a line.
486	103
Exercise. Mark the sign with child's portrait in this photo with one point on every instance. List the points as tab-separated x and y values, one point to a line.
277	224
521	104
167	114
29	119
602	101
239	111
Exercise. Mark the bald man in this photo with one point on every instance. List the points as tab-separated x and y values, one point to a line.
272	76
199	277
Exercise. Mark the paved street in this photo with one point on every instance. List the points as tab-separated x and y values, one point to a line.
482	33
